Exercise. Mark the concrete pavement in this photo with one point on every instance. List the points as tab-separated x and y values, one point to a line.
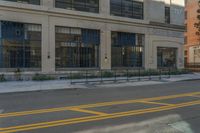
25	86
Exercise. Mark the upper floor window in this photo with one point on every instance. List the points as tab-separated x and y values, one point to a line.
127	8
186	15
34	2
79	5
167	15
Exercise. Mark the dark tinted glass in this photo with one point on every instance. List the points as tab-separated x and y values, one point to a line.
34	2
126	8
79	5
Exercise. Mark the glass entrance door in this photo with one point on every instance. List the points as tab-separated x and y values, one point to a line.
166	57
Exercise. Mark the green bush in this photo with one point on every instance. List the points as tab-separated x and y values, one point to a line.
77	76
2	78
107	74
40	77
180	71
18	74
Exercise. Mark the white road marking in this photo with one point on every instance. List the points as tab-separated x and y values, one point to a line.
156	125
182	126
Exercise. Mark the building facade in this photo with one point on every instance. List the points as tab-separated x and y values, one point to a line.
58	35
192	41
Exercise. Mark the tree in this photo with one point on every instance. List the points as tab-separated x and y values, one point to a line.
197	24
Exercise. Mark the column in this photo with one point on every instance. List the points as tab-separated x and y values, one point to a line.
104	7
48	46
48	3
105	49
148	59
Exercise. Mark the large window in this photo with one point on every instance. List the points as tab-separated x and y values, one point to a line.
127	8
35	2
20	45
79	5
166	57
127	49
76	47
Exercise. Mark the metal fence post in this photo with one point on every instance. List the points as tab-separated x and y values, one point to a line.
70	75
139	78
86	77
115	75
127	75
160	74
149	74
101	76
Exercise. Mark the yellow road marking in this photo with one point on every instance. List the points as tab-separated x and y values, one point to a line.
88	111
94	118
198	96
40	111
158	103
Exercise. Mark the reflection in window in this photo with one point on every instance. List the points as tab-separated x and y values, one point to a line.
79	5
76	47
166	57
127	49
20	45
127	8
34	2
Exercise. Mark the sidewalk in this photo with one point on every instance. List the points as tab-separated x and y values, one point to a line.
25	86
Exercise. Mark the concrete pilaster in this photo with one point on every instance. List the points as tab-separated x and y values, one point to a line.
48	47
105	49
48	3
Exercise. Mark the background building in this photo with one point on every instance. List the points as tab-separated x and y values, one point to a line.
192	42
58	35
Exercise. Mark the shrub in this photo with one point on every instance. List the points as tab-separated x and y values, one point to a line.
40	77
179	71
2	78
107	74
76	76
18	74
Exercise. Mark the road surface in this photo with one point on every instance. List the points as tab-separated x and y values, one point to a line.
164	108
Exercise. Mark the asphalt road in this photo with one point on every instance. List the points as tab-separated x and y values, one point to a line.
165	108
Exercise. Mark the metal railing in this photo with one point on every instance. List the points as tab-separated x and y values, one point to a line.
96	76
195	67
127	75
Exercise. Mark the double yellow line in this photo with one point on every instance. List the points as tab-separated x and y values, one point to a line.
98	115
94	118
40	111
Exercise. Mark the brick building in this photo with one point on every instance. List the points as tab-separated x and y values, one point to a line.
192	42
